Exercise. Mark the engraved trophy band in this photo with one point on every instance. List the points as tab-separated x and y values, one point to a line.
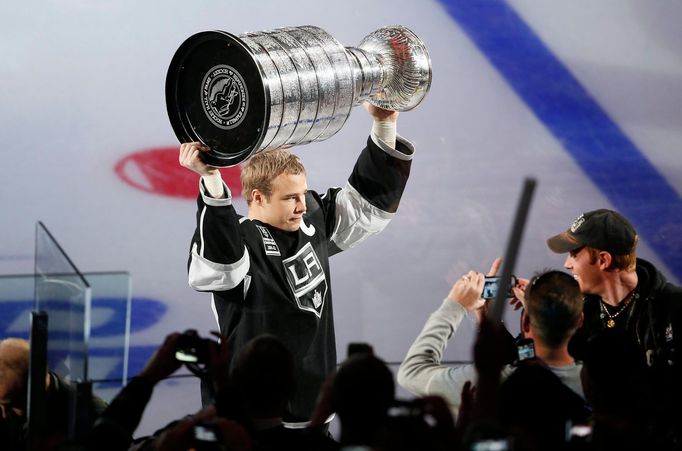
239	95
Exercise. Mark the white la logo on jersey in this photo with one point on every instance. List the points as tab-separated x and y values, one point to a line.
307	279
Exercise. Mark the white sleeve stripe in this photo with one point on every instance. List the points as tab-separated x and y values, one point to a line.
213	202
356	219
215	311
205	275
394	152
201	232
216	202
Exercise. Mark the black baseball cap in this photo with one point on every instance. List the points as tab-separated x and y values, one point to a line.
602	229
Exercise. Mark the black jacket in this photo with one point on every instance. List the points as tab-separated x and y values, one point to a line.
654	320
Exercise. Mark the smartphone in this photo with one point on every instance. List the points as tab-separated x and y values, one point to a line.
525	349
491	286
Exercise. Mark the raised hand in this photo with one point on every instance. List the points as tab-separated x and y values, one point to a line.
519	299
190	158
467	291
163	362
379	114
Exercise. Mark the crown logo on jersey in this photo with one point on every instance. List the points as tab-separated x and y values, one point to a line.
317	299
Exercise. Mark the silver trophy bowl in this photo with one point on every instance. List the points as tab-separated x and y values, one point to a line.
240	95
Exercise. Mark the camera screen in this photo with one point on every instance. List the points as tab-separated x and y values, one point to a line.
578	432
490	445
526	351
404	411
490	287
181	355
581	430
204	433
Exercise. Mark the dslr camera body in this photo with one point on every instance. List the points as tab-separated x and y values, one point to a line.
191	348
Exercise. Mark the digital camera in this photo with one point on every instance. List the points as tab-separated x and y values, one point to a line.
206	437
191	348
491	286
525	349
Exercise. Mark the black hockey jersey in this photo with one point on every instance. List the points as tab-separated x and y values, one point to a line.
267	280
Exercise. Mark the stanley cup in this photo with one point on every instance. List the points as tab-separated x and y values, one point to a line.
240	95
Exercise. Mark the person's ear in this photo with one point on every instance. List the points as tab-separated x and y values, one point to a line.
604	260
525	323
257	197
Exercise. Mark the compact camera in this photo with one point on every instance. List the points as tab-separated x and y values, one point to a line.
500	444
406	409
491	286
578	433
206	437
525	349
191	348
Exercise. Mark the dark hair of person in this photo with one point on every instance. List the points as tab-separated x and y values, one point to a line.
554	304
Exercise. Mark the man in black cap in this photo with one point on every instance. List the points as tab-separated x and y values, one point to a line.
626	293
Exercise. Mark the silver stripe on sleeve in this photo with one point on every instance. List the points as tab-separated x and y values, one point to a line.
213	202
206	275
201	231
393	152
356	219
305	424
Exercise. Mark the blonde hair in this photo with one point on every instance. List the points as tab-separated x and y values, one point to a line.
264	167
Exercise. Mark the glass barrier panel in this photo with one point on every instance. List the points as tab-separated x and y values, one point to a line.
109	328
16	303
111	300
62	292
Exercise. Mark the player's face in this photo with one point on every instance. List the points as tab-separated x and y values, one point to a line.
285	207
585	272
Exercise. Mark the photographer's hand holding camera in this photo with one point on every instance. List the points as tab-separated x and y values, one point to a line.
163	362
519	299
422	372
204	357
468	290
115	427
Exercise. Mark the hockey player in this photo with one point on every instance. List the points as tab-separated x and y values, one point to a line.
268	271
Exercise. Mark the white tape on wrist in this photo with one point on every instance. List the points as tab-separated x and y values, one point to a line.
385	131
214	185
